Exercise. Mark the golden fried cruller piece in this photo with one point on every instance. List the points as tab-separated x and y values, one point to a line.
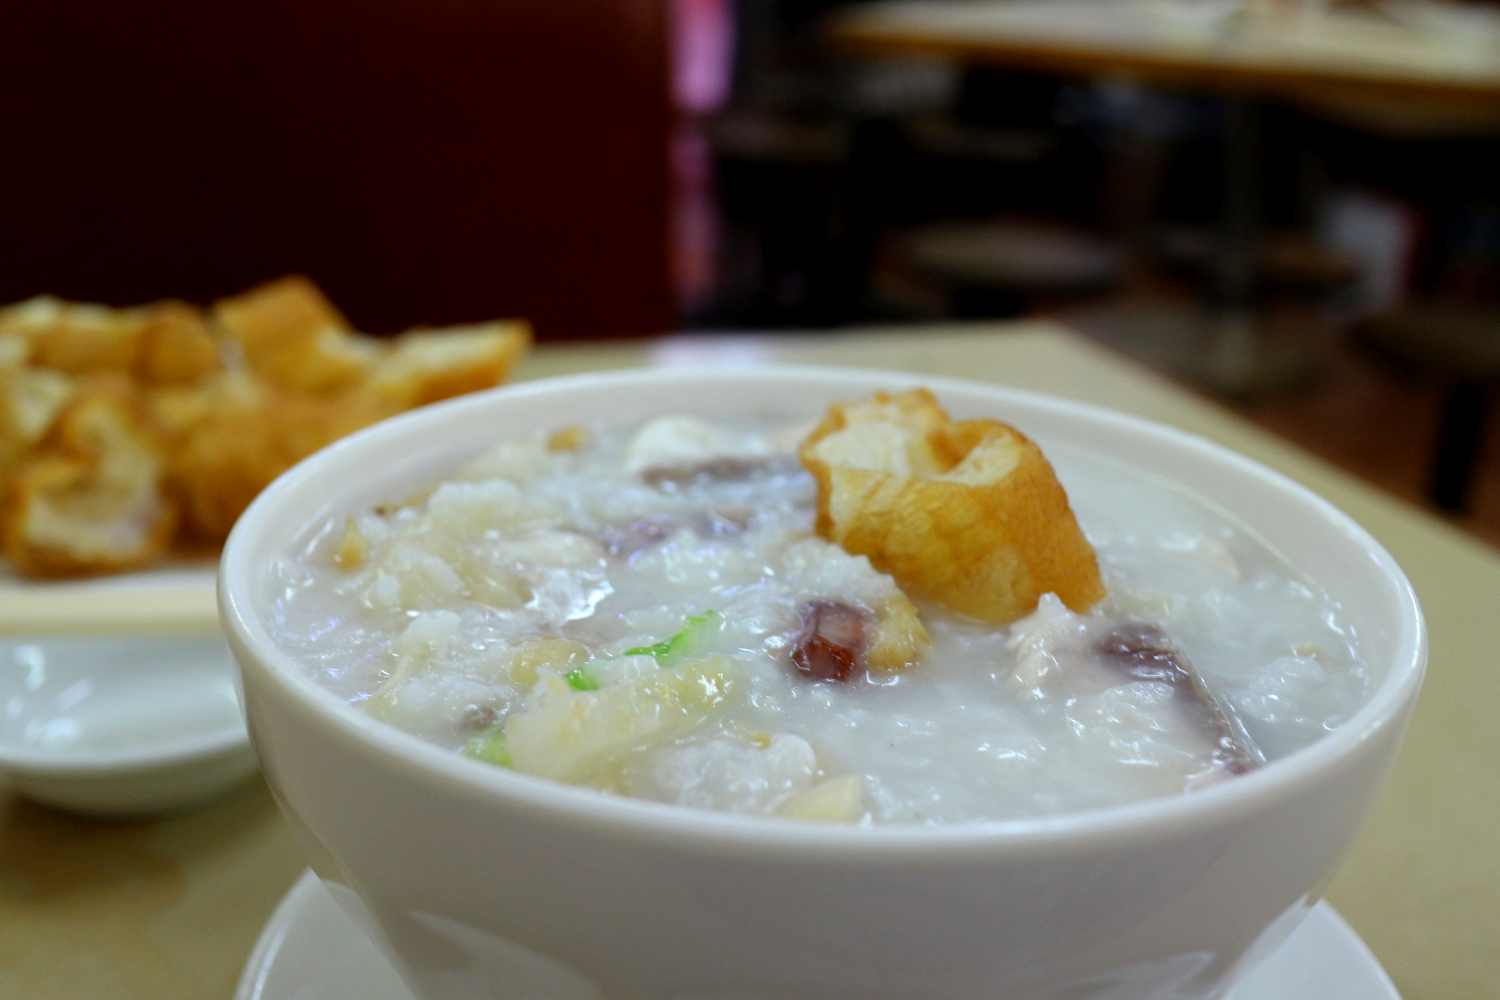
75	337
423	366
159	343
250	434
967	513
111	419
293	337
87	500
30	401
176	347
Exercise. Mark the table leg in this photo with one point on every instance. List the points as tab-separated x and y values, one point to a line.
1464	416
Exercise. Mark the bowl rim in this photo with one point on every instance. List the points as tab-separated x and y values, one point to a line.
663	823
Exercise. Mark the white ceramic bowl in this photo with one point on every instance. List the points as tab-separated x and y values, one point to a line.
120	727
481	882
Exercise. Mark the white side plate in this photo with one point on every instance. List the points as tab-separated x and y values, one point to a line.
121	727
309	948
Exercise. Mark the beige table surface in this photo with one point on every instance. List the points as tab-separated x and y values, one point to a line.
170	909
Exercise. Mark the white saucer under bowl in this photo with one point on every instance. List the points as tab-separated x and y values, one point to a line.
310	948
120	727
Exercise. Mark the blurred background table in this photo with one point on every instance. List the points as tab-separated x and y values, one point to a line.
1400	61
169	909
1395	51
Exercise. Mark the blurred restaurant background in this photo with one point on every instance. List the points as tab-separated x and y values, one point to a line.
1290	205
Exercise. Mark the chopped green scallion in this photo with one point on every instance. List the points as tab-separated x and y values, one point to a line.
489	746
681	644
579	680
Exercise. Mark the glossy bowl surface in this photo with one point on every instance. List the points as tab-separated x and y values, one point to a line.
478	881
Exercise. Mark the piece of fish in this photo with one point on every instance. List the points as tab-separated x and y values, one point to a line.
1070	659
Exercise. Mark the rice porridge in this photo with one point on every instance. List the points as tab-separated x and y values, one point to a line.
656	611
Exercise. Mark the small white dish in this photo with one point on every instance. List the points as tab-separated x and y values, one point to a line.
310	948
120	727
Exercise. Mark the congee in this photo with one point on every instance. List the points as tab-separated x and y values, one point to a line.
888	616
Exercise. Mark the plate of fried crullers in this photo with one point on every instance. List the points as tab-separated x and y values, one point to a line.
128	435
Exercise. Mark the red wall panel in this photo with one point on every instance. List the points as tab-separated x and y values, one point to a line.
424	160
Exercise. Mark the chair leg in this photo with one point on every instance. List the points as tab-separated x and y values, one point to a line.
1464	413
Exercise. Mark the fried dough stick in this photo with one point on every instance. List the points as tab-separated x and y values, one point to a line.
423	366
30	401
160	343
314	380
210	434
967	513
294	338
88	499
249	435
